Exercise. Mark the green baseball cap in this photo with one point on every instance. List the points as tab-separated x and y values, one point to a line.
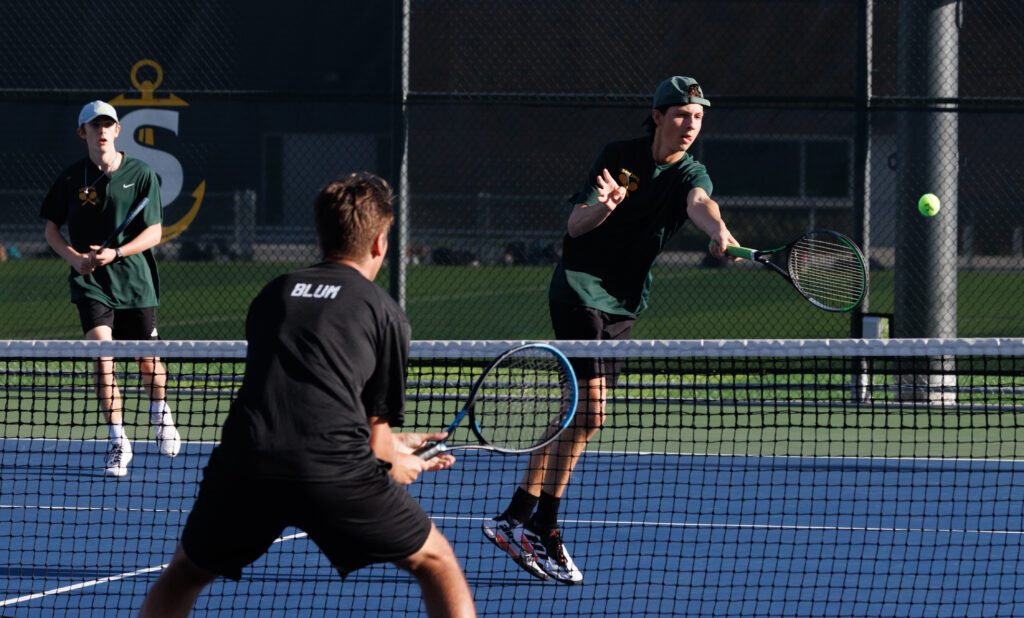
679	90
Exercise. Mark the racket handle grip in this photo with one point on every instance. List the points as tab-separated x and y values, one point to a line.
430	450
740	252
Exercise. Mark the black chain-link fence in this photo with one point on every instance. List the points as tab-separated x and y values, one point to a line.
824	115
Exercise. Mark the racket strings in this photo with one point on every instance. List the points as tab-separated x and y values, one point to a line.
828	271
521	400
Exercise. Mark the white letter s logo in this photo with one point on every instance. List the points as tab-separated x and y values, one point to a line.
172	176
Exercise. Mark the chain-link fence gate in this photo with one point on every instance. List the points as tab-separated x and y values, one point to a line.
486	116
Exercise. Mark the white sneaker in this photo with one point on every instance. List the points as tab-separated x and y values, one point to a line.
167	437
118	457
552	556
508	535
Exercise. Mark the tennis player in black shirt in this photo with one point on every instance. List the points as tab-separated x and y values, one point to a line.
308	440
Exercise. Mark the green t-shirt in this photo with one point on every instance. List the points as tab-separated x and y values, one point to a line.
92	205
609	267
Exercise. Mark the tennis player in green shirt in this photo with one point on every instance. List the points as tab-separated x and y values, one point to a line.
116	289
638	194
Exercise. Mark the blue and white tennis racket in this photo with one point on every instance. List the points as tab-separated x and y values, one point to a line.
520	403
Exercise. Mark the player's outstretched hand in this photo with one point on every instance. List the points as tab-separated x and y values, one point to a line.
718	244
609	192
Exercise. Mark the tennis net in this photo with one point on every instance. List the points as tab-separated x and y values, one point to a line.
731	478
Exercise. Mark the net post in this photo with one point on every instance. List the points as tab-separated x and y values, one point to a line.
868	326
931	381
244	206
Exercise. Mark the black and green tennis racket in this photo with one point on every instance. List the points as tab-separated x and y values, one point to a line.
826	268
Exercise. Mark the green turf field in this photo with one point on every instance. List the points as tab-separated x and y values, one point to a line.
208	300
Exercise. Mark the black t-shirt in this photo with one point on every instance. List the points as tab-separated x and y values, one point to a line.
327	350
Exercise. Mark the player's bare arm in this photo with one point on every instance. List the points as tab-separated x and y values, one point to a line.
586	217
705	214
82	264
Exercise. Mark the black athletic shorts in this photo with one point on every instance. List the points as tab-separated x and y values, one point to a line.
235	521
126	324
577	322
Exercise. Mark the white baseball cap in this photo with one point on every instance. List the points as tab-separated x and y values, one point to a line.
95	109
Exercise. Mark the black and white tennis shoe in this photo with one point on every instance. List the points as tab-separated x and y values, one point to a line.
508	534
118	457
552	556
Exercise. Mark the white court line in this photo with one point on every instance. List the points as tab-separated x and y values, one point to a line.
98	440
106	580
118	509
843	458
712	525
79	586
610	522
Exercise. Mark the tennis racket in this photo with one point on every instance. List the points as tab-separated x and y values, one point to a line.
826	268
520	403
124	224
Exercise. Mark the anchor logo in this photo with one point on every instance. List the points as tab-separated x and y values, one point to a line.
146	77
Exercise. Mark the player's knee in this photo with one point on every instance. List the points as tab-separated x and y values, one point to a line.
435	555
150	366
105	372
185	573
592	419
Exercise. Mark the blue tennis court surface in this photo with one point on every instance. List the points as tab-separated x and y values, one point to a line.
655	535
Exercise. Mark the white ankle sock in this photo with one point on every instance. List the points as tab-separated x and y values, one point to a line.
117	435
160	413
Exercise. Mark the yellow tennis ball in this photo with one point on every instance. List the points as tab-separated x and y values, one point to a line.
929	205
